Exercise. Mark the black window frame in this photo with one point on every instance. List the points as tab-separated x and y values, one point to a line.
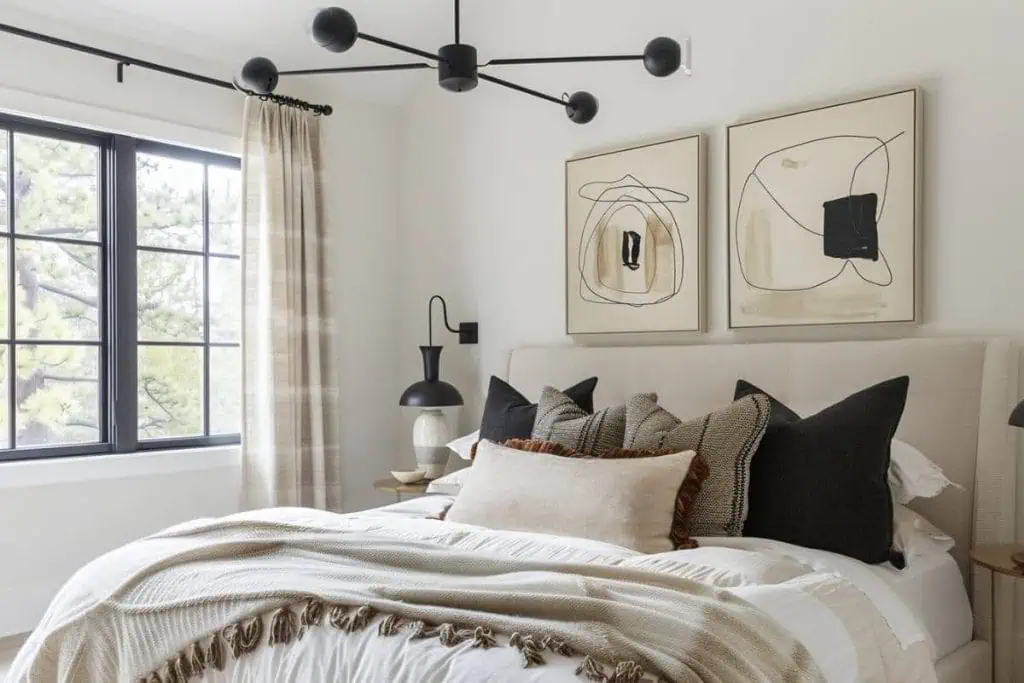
118	322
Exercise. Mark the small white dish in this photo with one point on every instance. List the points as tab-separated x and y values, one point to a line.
413	477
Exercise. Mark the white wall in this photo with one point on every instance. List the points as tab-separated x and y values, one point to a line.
483	194
57	515
360	185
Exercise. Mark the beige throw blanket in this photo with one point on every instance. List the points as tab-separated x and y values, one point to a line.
165	608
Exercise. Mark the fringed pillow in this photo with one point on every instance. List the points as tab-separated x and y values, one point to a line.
629	503
686	497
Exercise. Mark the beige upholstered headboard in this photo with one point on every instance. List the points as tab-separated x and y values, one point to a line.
961	395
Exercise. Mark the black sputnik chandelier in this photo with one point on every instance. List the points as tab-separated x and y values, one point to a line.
458	69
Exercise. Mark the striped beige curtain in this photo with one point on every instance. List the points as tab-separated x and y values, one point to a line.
290	442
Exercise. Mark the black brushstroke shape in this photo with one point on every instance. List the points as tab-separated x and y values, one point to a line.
631	249
851	230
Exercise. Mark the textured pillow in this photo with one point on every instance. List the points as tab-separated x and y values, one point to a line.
629	503
726	439
510	415
822	481
688	491
560	420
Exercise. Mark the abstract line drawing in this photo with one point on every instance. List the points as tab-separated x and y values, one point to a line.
823	215
850	226
634	234
655	256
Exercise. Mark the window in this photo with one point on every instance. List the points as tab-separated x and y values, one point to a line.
120	294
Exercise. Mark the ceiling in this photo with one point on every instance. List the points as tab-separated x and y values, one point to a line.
228	32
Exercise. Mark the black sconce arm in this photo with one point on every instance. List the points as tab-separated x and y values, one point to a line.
469	333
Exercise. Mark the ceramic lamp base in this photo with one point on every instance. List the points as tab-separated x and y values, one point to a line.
430	437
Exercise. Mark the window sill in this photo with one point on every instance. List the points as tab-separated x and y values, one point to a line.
28	473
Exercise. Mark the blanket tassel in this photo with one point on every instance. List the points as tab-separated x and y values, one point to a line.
627	672
483	639
244	637
421	630
530	649
197	659
215	653
312	615
283	627
390	626
591	670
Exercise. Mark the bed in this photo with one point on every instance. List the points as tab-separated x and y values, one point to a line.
275	625
962	391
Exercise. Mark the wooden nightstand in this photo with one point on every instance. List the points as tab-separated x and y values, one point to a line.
392	485
998	559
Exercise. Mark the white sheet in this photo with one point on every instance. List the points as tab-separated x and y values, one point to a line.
933	587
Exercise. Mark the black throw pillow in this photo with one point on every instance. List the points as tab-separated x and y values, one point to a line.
822	481
510	415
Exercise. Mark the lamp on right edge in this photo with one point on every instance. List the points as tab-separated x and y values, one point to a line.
1017	419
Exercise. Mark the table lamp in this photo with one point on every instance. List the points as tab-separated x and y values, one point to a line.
1017	420
430	435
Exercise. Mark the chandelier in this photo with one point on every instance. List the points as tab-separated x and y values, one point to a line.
458	69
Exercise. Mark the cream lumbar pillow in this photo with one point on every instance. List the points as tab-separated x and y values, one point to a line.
629	503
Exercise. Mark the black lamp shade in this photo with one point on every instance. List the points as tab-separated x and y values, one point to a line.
1017	419
334	29
260	75
431	392
582	107
663	57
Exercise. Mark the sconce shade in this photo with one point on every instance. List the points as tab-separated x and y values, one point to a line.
1017	419
431	392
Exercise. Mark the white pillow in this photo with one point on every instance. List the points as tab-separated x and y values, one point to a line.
915	536
912	475
463	446
450	484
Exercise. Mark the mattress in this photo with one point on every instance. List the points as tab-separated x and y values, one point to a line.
934	589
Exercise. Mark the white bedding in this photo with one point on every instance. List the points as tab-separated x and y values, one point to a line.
848	616
832	624
933	587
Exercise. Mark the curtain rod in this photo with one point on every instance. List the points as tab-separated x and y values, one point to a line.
125	60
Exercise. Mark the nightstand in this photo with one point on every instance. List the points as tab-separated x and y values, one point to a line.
998	559
392	485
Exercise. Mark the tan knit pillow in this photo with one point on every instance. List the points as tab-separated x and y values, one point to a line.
630	503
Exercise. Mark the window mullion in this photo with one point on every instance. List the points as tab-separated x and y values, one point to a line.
206	300
122	328
12	299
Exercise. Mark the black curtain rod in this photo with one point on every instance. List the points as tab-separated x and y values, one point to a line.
125	60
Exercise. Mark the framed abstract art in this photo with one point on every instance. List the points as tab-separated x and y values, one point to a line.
823	215
635	239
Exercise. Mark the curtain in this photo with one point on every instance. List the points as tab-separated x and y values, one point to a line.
290	440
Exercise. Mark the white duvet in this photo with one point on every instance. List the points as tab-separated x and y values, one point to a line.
855	626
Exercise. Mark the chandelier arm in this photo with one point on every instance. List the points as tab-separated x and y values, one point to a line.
458	23
357	69
564	60
522	89
398	46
